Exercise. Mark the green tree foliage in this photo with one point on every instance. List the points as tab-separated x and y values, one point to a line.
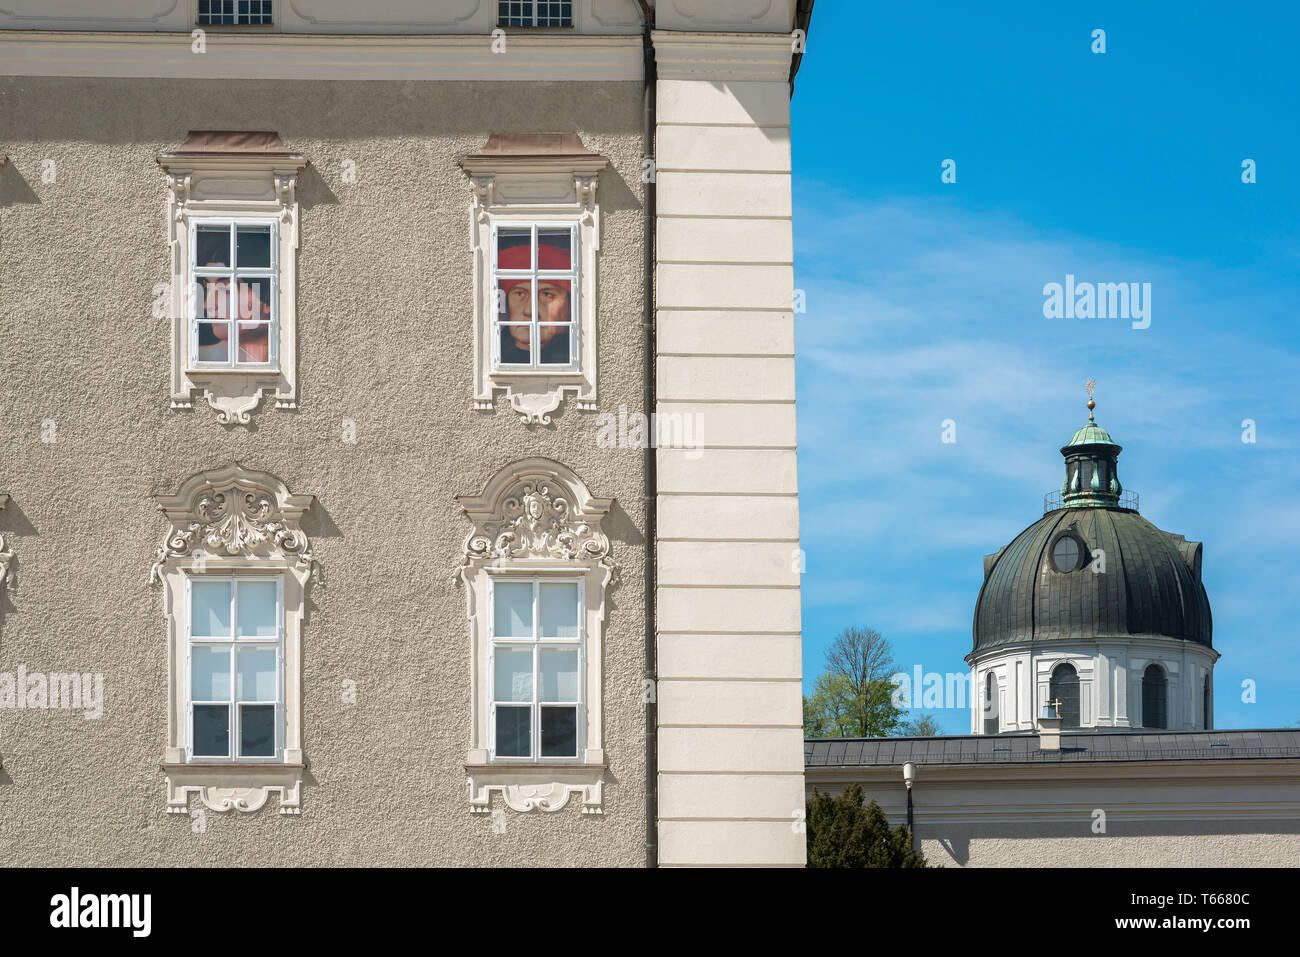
921	726
843	833
852	697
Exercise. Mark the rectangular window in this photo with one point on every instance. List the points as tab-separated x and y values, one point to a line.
535	279
235	668
233	293
537	669
222	13
535	13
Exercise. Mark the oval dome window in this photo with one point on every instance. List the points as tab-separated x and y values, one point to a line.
1066	553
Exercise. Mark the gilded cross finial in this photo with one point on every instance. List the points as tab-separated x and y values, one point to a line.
1092	384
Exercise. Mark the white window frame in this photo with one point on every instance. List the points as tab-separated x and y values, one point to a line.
243	525
572	275
248	24
536	190
234	642
536	521
502	19
537	643
234	273
232	188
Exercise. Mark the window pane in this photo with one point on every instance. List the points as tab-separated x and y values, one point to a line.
514	728
253	247
257	610
514	300
210	614
214	342
213	299
559	609
555	248
514	248
559	674
212	730
254	299
513	609
256	676
212	246
257	731
515	343
553	300
254	342
209	673
559	732
514	674
555	345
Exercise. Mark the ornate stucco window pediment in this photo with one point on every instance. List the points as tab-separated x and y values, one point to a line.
536	526
545	183
233	313
233	531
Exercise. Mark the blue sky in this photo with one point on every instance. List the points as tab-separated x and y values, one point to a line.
925	303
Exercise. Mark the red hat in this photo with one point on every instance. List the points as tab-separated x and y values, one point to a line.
519	257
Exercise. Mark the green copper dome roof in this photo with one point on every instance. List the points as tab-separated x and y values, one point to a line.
1151	586
1092	568
1091	434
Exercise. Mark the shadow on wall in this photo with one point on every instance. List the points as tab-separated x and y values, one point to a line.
14	190
955	841
753	99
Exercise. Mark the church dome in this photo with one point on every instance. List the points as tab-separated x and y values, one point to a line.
1091	568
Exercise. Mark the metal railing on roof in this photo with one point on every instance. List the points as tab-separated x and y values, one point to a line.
1053	500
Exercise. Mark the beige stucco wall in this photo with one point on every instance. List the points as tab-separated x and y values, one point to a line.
384	338
1221	844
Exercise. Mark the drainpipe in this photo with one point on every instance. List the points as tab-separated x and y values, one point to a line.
648	325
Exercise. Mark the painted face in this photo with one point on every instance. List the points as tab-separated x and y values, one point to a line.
552	306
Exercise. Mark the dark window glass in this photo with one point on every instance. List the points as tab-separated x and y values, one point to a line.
218	13
212	730
535	13
1065	554
1205	703
559	732
1065	688
257	730
990	705
1154	687
513	732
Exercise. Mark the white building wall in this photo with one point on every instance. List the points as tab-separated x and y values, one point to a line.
728	560
1110	681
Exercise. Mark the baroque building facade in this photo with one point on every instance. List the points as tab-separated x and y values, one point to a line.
397	437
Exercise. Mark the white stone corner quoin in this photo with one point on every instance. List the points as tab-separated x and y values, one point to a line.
8	580
234	521
536	518
246	176
517	179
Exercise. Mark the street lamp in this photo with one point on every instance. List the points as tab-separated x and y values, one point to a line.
909	775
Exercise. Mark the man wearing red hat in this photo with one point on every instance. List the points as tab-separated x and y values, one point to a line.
515	307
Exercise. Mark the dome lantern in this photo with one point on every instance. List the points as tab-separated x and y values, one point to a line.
1091	471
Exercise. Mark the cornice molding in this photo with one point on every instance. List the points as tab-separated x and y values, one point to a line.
1075	773
723	56
281	56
